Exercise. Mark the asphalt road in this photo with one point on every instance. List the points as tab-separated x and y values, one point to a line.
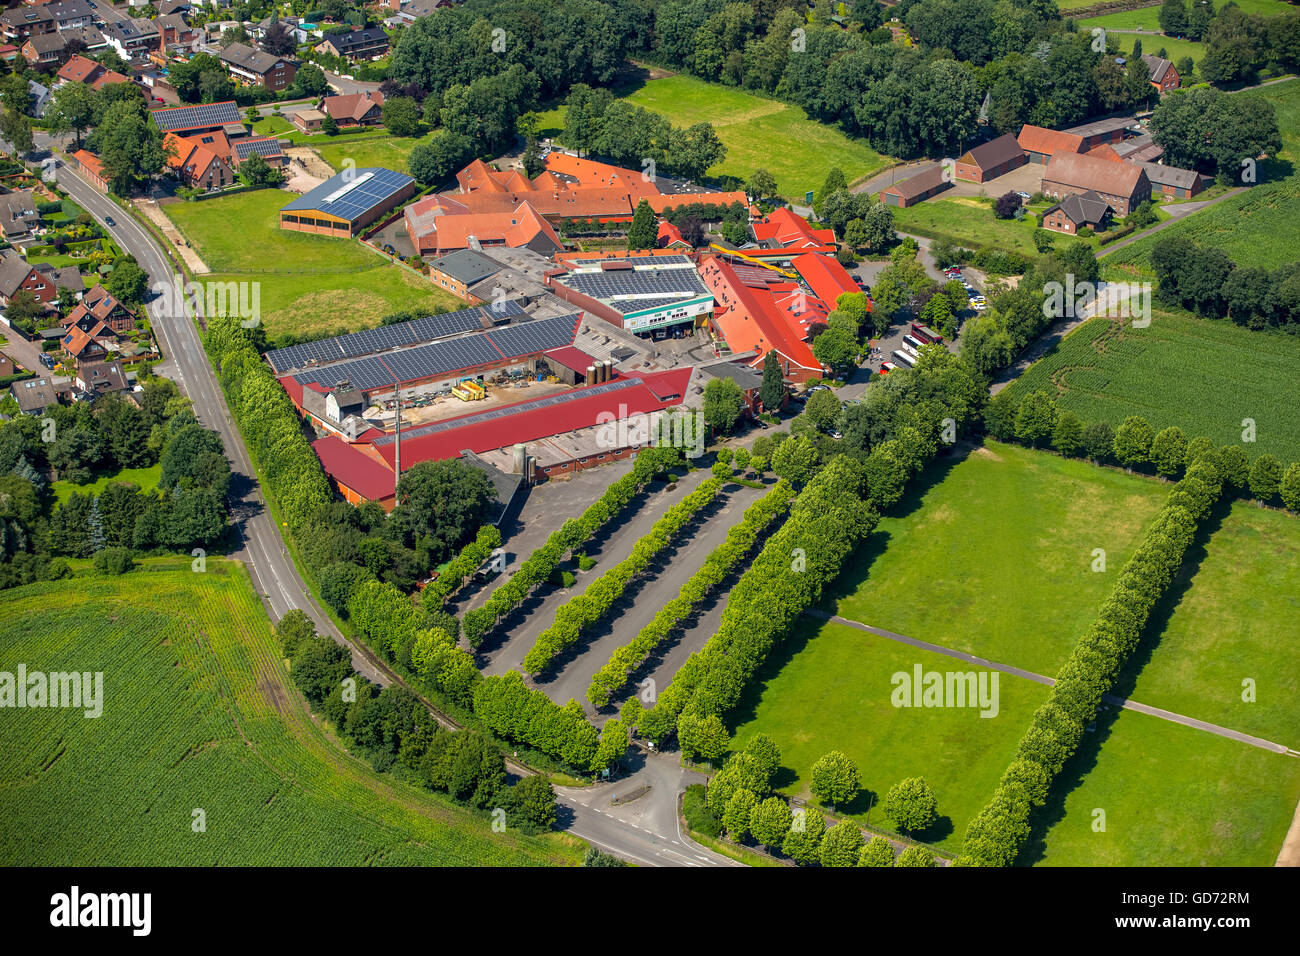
654	841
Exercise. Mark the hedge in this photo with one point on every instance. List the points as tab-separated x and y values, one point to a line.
539	565
997	833
724	559
516	712
585	609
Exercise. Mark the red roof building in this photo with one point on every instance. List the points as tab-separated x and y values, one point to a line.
826	277
788	230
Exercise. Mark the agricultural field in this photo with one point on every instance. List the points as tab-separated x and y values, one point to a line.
961	567
1261	225
828	687
1148	18
319	283
146	479
1168	373
1172	796
757	132
197	713
1235	621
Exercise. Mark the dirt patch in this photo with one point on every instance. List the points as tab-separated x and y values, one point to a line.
985	452
306	170
154	213
1290	852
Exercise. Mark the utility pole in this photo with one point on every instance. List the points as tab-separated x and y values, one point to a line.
397	428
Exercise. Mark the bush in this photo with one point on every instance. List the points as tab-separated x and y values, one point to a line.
697	813
114	561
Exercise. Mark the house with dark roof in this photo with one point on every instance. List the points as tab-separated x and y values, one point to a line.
101	378
364	44
132	38
17	274
34	395
100	305
990	160
268	147
916	188
18	216
1164	75
355	109
1112	130
1121	185
185	120
252	67
459	270
20	22
1077	211
45	48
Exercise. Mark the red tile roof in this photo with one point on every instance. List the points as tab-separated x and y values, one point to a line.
1037	139
825	276
791	230
751	320
571	358
349	465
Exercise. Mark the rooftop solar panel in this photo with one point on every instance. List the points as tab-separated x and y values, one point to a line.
385	337
188	117
537	336
352	192
260	147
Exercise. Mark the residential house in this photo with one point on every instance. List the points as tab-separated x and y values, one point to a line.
19	23
99	305
18	216
408	13
251	67
1075	212
990	160
70	14
1121	185
17	274
1040	144
364	44
132	38
39	96
355	109
89	345
198	160
1164	75
91	169
34	395
168	7
96	378
45	49
174	31
916	189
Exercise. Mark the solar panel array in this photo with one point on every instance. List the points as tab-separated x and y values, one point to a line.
261	147
639	261
505	412
624	284
401	335
188	117
448	355
350	199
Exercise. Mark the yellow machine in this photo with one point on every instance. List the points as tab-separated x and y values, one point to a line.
752	260
469	391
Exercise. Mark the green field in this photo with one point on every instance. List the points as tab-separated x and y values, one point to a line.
758	133
198	714
966	567
145	478
1204	375
1148	18
828	688
967	220
315	283
1236	621
1258	227
1172	796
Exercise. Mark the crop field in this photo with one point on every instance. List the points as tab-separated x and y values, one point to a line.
758	133
829	687
1171	795
1205	376
198	715
1234	623
319	284
1258	227
962	568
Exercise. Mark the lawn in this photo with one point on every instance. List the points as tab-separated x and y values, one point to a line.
145	478
1260	226
369	147
1204	375
1171	795
995	556
828	688
198	714
314	283
757	132
1236	621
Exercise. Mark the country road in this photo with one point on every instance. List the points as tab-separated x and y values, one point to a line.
654	839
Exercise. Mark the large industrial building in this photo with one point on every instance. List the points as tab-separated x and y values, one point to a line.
345	204
640	294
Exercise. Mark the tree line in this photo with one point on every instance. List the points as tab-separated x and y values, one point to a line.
1205	280
997	833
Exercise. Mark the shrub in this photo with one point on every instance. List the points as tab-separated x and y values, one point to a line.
114	561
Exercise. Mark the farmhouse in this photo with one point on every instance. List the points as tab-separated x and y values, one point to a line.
990	160
916	189
345	204
439	224
1121	185
1041	144
1164	75
1075	212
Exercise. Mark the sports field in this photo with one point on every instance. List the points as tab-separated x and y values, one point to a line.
308	283
1258	227
829	688
198	714
758	133
1204	375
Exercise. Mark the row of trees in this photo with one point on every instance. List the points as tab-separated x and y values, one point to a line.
585	609
539	565
469	560
717	567
1037	421
1221	134
997	833
395	732
1205	280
